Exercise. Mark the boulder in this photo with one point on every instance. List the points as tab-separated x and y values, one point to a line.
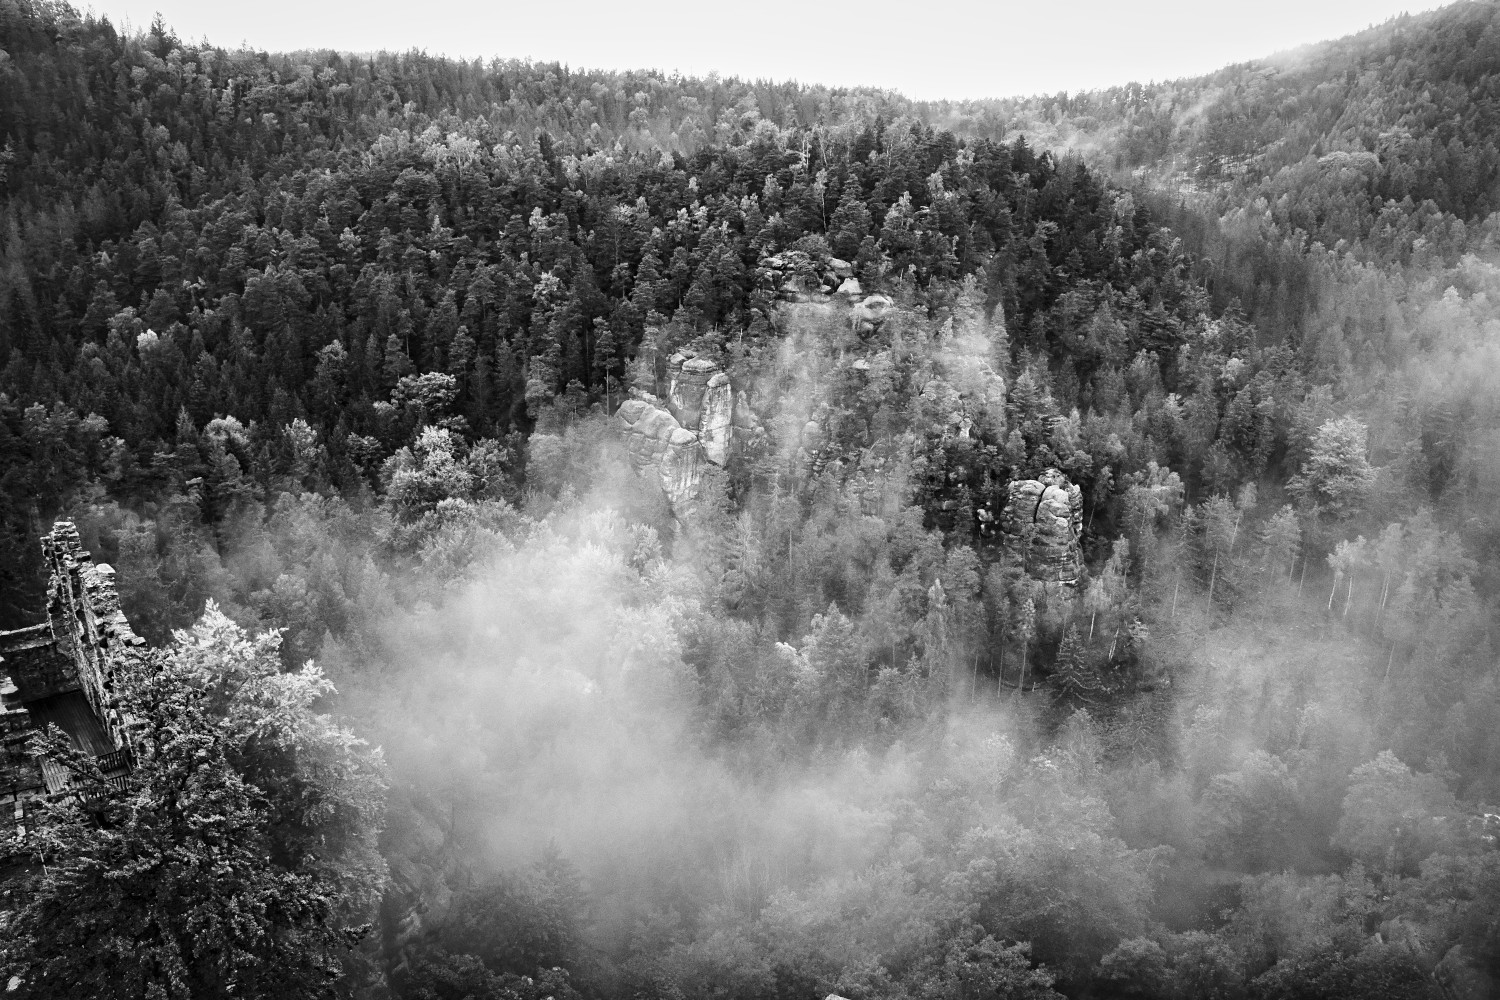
870	313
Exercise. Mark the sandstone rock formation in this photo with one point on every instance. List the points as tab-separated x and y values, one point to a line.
796	276
716	420
657	443
701	398
1041	528
870	313
696	425
687	380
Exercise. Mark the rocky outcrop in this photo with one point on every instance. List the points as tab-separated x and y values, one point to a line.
797	276
869	314
716	420
695	417
687	381
659	445
695	426
1041	528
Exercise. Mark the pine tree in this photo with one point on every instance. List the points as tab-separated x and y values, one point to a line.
851	221
1073	679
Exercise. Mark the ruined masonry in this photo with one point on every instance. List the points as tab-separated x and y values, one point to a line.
64	672
1041	526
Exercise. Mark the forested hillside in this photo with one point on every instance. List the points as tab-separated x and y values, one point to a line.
340	344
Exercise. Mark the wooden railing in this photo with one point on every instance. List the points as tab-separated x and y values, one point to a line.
115	760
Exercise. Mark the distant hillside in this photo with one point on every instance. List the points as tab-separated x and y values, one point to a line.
1378	139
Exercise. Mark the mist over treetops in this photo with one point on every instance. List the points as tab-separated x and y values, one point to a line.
760	540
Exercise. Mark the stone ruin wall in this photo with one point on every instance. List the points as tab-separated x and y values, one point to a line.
84	646
84	611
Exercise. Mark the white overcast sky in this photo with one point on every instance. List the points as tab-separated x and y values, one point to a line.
926	49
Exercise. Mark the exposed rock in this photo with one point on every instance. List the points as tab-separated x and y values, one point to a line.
716	419
657	443
870	313
810	446
688	379
1041	527
850	287
797	276
695	425
682	466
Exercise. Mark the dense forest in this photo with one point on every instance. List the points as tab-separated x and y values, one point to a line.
326	355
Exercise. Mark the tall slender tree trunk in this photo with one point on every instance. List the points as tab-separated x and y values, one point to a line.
1213	575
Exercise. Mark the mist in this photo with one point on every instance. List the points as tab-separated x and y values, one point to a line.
759	541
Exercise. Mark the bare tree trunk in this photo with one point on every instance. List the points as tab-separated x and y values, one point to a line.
1213	575
1303	578
1175	585
1349	594
1092	615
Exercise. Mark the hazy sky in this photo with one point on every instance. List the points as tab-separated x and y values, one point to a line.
926	50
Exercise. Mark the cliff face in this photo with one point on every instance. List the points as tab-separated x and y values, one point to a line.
65	671
697	425
1041	526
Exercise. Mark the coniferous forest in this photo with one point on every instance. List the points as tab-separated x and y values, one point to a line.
449	695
